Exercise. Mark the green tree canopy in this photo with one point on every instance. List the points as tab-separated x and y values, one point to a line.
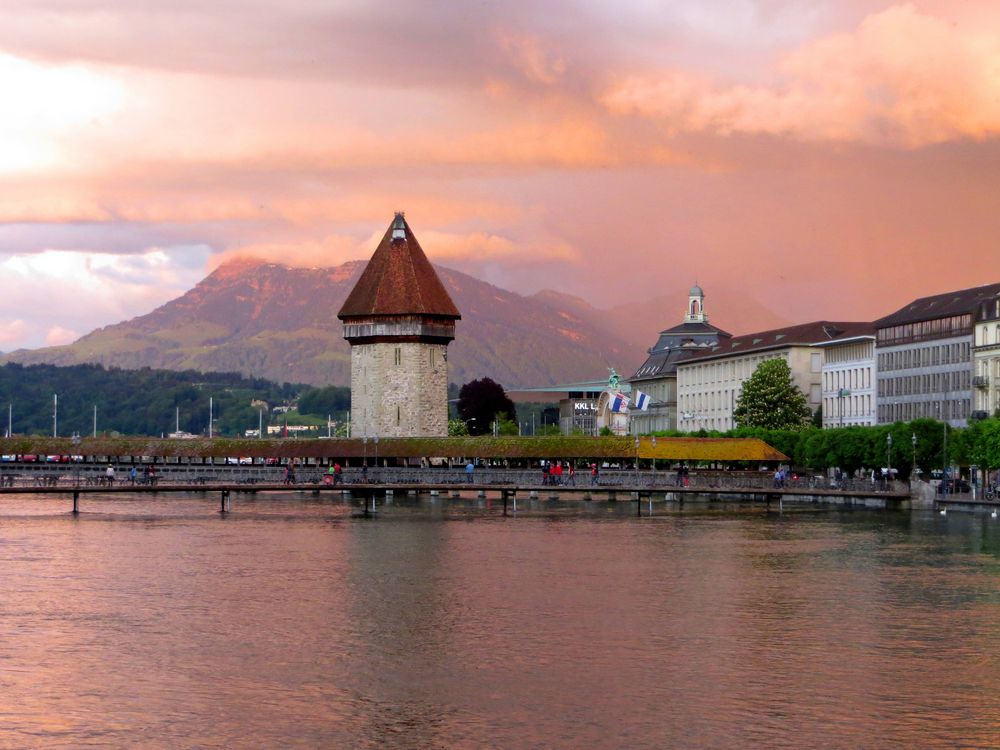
133	402
482	401
322	402
770	399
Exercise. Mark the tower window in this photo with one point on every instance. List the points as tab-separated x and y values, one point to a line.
432	357
397	416
399	356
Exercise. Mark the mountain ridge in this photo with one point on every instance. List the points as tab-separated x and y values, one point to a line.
264	319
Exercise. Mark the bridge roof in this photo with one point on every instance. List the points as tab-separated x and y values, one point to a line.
673	449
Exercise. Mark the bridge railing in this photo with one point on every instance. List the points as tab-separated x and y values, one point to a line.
95	475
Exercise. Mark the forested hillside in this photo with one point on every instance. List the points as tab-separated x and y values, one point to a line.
149	402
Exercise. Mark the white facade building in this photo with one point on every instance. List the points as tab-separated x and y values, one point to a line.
986	360
849	381
710	382
657	376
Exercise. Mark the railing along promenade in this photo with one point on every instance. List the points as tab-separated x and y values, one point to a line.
508	483
94	475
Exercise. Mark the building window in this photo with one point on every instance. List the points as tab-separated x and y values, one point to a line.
398	356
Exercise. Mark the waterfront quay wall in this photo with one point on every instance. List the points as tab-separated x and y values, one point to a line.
614	485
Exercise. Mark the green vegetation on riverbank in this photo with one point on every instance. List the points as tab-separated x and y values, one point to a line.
155	402
850	448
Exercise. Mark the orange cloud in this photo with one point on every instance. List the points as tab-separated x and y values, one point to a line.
57	336
901	78
439	246
528	54
13	331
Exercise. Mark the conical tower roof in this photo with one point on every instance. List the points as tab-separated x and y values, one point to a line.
399	280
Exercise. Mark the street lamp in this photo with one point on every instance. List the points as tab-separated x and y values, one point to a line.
913	468
636	460
841	394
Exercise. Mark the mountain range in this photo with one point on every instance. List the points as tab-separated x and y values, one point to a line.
272	321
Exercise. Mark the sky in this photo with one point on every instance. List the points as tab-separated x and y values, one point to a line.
828	158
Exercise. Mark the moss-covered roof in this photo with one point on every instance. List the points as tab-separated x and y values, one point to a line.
676	449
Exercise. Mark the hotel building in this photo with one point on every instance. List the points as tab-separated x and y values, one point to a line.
849	380
657	376
925	357
986	359
709	381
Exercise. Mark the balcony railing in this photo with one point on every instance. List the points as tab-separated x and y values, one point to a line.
981	381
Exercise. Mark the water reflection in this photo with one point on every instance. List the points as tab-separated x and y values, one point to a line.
289	623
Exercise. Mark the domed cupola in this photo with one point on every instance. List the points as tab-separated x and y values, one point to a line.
696	306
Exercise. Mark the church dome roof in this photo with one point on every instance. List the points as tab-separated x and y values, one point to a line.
696	291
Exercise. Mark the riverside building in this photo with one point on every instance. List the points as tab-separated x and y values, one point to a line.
399	320
657	376
709	381
986	359
849	380
925	357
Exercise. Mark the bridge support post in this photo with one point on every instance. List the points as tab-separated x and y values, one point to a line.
76	502
224	501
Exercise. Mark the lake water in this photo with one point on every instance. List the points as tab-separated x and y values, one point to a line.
289	623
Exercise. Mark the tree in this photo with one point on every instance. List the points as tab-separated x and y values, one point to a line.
321	402
770	399
482	401
506	426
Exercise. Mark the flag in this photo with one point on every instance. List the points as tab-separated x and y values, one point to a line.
619	403
641	401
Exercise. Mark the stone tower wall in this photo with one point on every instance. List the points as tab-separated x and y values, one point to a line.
399	390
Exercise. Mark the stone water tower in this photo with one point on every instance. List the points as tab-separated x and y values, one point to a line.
398	320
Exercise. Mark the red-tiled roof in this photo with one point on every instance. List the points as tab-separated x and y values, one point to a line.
399	280
944	305
804	334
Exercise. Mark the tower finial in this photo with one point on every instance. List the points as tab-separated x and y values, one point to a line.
399	226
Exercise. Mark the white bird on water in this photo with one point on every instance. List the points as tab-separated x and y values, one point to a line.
993	514
944	511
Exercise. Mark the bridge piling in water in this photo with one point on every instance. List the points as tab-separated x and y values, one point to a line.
76	502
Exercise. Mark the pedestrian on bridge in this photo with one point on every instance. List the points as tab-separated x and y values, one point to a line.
469	469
